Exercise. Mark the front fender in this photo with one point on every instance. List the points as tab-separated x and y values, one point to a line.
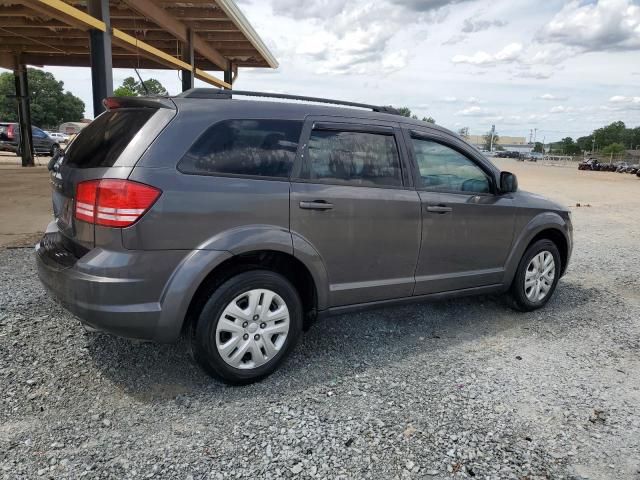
542	221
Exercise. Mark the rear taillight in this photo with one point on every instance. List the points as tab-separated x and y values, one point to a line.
113	203
10	134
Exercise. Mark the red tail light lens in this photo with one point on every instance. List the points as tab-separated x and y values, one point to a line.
112	202
10	134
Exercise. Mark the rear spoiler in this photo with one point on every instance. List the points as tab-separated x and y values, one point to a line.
112	103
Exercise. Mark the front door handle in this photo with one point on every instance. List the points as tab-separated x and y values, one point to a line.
316	205
441	209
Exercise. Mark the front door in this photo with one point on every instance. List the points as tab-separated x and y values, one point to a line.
467	226
352	201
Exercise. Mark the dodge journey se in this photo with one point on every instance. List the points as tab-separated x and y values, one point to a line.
237	222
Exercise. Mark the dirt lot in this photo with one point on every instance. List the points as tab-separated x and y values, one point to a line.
465	388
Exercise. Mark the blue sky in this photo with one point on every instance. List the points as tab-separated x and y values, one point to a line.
563	67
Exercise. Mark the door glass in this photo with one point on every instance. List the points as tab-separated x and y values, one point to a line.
353	158
36	132
443	168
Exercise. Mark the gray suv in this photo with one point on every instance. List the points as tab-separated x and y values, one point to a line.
238	222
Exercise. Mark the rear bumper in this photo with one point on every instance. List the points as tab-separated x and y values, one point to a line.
120	292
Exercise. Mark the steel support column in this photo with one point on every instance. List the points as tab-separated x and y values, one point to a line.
228	74
100	48
188	56
24	115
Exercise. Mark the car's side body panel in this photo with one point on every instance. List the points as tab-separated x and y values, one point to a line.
375	246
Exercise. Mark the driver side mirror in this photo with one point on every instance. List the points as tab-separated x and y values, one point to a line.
508	182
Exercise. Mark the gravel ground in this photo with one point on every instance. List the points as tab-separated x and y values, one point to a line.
461	389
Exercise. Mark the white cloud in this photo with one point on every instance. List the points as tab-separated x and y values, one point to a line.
470	25
474	111
394	61
600	26
622	103
450	99
561	109
534	74
508	54
550	97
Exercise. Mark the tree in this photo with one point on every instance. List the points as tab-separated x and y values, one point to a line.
132	88
464	132
50	104
406	112
486	140
538	147
613	148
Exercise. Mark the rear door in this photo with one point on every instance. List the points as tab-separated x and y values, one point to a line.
352	200
109	147
467	227
41	141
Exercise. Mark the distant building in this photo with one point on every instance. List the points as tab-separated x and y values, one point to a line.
72	127
516	144
503	140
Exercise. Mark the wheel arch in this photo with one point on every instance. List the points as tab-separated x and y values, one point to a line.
548	225
286	264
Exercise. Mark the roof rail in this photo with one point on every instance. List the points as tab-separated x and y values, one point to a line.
220	93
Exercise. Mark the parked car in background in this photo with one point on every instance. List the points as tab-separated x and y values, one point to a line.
235	223
43	144
60	137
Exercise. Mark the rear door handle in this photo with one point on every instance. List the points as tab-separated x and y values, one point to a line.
441	209
316	205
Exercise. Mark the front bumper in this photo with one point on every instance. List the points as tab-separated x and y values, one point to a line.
119	292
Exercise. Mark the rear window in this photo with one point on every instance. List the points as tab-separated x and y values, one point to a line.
101	142
263	148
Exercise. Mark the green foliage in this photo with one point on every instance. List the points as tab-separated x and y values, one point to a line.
617	132
538	147
406	112
567	146
486	140
133	88
50	104
464	132
613	148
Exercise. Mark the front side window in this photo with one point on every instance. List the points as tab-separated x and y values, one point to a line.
353	158
446	169
264	148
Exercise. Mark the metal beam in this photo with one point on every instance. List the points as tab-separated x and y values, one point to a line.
77	17
24	114
188	56
100	48
160	16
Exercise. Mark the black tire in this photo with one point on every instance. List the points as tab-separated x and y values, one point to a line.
203	333
517	292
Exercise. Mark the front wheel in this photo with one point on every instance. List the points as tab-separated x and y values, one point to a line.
247	327
537	276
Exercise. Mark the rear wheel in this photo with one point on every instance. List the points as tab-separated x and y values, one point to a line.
537	276
247	327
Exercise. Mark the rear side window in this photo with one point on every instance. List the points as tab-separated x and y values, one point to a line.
101	142
263	148
353	158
